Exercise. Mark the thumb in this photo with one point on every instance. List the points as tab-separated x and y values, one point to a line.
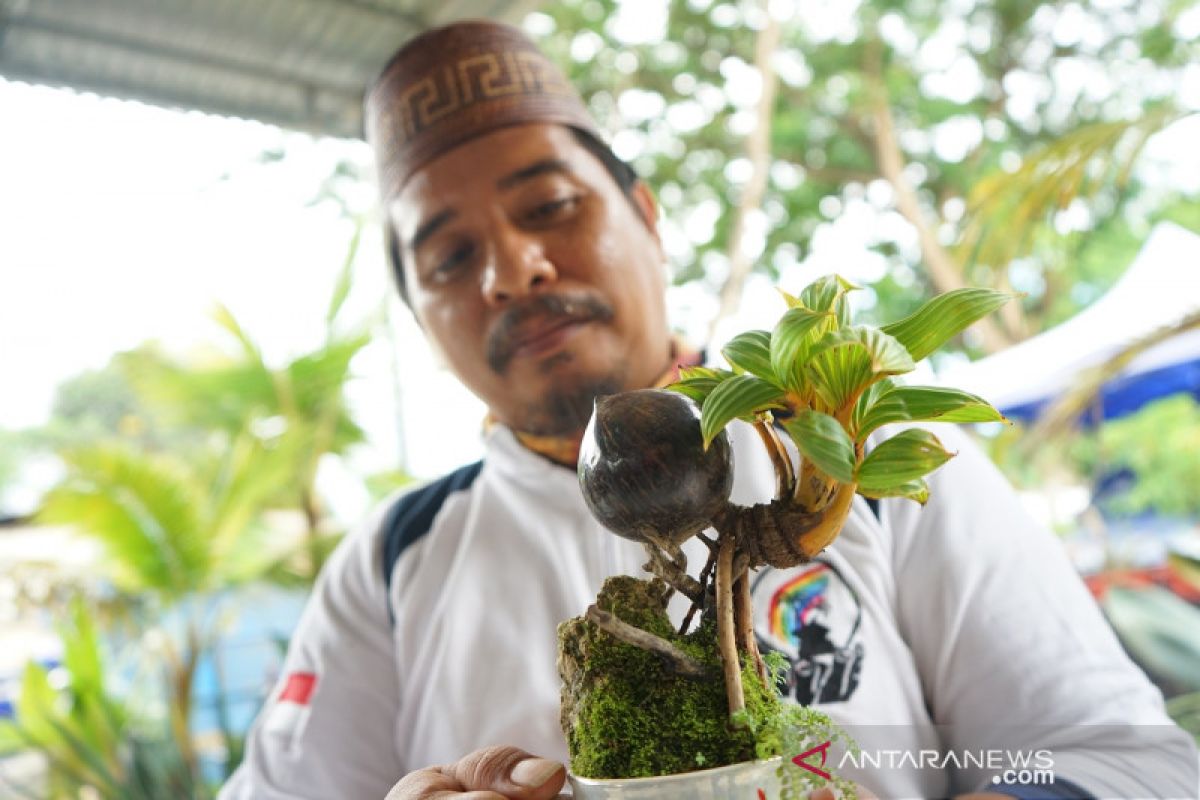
509	771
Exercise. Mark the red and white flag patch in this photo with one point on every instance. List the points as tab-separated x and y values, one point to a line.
291	710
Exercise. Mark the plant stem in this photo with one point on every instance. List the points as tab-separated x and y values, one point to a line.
181	669
726	636
705	575
312	535
671	568
816	539
679	662
810	487
785	477
744	613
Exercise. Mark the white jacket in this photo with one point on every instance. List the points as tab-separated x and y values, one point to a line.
961	614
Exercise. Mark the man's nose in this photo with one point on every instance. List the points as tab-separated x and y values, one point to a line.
517	265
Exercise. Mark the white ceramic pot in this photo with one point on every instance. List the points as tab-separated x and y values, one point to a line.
734	782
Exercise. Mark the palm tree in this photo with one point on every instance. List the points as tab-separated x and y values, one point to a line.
172	530
86	735
1061	416
300	404
186	523
1009	213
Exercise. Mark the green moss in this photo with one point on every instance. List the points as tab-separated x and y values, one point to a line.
626	715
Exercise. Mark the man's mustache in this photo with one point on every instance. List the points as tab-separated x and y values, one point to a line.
539	310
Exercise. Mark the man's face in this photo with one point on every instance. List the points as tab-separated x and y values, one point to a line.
534	275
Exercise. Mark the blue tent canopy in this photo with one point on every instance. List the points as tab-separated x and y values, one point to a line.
1159	289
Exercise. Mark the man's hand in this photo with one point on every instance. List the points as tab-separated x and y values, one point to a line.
493	773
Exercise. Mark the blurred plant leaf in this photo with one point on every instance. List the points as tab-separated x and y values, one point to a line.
1005	208
89	740
143	509
1184	710
1161	632
345	279
1186	568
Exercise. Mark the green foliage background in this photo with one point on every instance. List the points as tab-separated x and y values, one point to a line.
1014	103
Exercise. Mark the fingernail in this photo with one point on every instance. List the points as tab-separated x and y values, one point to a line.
533	772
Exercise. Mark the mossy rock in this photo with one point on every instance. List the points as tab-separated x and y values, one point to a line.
627	715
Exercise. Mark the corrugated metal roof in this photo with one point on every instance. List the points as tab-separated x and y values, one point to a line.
301	64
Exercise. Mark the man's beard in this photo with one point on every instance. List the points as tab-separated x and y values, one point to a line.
565	411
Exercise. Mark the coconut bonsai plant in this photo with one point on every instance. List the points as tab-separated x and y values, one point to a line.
642	697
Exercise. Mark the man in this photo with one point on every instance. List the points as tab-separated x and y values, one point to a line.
531	259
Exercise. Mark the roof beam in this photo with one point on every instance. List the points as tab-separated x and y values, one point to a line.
145	48
416	21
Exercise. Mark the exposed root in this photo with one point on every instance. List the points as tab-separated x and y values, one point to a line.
785	476
670	565
705	577
784	535
833	517
744	614
726	635
676	660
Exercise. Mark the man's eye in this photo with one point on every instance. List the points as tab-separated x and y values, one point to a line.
553	209
457	257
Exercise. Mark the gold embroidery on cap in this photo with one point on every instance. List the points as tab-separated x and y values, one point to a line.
540	77
432	100
473	79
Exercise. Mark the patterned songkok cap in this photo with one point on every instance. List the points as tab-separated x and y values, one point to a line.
457	82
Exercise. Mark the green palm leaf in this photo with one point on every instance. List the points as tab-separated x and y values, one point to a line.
341	289
1061	416
1005	209
143	509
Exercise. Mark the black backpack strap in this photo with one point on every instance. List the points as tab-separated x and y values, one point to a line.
873	502
411	517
